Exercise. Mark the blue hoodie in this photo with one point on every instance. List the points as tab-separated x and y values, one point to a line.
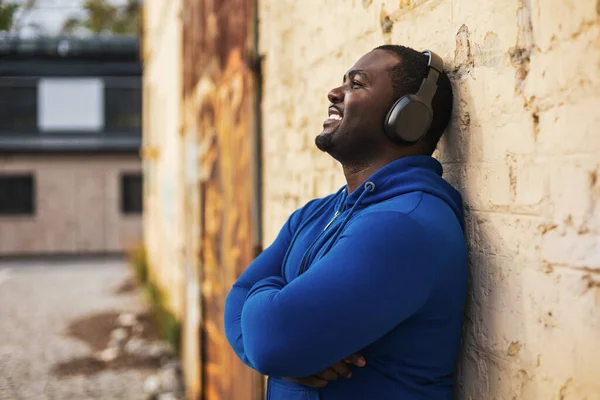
381	272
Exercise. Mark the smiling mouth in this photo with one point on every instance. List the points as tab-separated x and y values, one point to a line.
334	114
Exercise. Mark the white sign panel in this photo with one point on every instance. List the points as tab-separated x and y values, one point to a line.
71	104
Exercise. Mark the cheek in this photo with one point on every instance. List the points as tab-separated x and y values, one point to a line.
357	104
365	110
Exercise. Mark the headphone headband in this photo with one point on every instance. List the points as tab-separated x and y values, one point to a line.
435	65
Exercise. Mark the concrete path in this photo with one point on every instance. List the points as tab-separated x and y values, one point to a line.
55	317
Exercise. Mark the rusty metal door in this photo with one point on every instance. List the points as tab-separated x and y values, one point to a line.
219	83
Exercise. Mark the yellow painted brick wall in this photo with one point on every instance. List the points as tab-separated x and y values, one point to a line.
523	148
163	147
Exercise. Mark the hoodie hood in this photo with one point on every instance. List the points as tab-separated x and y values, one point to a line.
403	176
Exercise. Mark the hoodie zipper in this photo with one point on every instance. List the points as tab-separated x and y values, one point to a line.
303	264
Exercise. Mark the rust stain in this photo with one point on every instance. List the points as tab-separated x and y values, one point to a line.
535	118
590	282
545	228
218	77
593	178
547	267
512	174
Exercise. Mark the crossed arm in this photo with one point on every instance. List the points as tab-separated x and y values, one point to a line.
267	264
377	275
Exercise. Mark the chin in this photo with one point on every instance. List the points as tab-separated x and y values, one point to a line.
324	141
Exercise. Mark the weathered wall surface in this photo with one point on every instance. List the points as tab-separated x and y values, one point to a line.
219	108
199	159
162	151
523	148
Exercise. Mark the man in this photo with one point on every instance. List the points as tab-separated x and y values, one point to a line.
361	294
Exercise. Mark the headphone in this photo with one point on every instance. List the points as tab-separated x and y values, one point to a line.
410	117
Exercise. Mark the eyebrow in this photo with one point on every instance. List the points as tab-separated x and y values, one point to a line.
354	72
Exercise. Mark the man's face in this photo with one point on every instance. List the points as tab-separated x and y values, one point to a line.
354	127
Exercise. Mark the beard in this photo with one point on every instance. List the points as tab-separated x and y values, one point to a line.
324	142
348	149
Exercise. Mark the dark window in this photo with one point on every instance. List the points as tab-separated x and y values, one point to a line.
131	193
122	105
18	105
17	194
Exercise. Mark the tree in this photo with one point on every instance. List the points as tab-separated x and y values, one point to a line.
103	17
7	14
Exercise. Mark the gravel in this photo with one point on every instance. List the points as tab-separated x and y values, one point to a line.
56	322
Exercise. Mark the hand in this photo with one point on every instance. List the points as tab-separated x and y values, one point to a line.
333	373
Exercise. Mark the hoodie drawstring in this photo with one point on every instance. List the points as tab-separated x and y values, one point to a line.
306	222
369	187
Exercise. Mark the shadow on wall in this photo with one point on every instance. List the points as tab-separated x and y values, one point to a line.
461	152
455	154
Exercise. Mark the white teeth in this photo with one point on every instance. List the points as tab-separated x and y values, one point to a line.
335	116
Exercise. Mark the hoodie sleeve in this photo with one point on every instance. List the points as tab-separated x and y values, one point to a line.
267	264
377	275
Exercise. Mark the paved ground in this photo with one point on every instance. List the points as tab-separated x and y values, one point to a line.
51	319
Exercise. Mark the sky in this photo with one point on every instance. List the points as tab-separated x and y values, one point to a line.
49	15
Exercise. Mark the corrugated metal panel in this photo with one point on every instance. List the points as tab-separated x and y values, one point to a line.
219	86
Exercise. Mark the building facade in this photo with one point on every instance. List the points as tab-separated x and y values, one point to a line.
70	135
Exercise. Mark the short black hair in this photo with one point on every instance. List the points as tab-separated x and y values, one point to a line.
407	76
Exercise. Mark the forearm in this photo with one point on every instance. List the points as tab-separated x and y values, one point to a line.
267	264
344	302
233	316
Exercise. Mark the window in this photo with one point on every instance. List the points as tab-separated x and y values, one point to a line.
70	105
17	194
76	113
131	194
18	105
122	105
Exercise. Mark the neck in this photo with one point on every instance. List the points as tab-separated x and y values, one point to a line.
356	174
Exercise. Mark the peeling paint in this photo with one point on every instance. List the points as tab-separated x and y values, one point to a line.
520	55
514	349
462	54
386	23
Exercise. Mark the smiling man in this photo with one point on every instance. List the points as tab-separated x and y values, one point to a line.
361	294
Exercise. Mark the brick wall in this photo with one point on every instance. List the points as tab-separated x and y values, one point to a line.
522	148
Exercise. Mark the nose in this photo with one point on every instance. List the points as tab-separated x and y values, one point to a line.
336	95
